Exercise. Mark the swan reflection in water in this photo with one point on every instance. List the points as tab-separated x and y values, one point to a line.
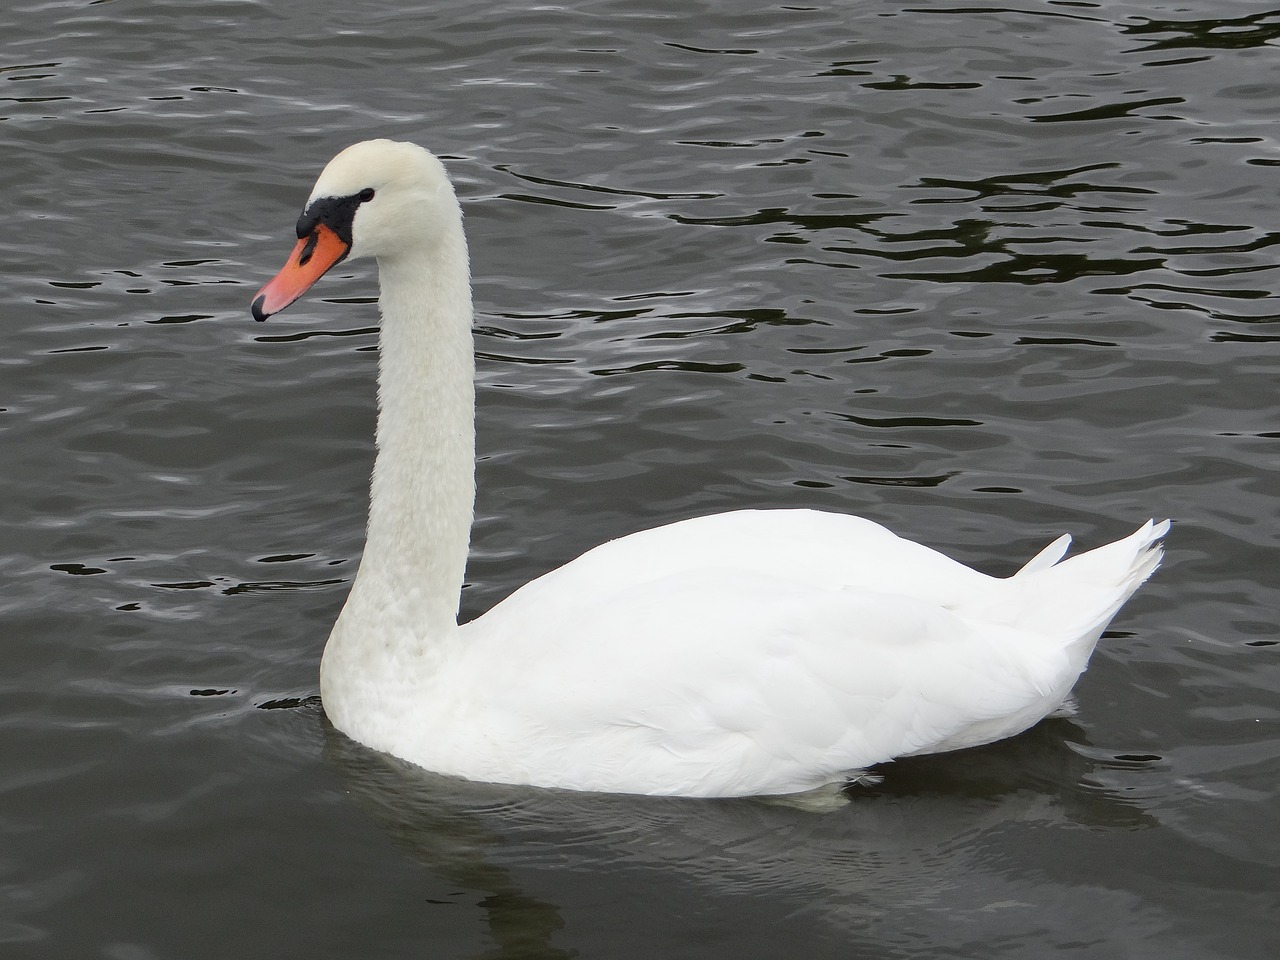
965	838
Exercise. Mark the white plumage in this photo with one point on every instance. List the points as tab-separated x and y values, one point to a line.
753	652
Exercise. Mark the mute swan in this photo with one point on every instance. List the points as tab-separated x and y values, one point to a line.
746	653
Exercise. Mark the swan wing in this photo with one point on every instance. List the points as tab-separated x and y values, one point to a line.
733	683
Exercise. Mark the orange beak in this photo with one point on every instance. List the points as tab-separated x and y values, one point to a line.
313	257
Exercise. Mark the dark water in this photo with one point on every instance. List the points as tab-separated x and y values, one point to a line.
983	273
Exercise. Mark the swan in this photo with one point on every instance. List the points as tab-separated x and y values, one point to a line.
756	652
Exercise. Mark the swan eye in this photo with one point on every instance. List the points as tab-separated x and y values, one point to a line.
366	194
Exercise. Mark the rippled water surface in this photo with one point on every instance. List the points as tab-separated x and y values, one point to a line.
982	273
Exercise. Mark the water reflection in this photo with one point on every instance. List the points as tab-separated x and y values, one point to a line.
870	866
1225	33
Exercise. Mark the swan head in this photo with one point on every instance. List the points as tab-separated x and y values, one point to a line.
378	198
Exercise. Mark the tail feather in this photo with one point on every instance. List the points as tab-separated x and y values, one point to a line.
1074	599
1053	611
1127	563
1080	595
1048	556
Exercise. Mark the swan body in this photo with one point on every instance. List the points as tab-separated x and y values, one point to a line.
745	653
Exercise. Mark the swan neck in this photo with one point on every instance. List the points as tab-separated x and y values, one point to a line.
422	493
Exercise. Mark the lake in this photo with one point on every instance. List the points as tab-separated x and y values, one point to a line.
984	274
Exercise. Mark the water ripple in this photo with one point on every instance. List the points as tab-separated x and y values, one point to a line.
982	272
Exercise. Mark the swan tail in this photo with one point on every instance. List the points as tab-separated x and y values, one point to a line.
1076	598
1048	556
1067	709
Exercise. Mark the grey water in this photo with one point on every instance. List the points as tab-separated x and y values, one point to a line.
985	273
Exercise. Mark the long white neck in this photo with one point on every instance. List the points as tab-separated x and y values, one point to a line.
402	609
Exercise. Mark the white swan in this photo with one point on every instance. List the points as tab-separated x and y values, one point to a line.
746	653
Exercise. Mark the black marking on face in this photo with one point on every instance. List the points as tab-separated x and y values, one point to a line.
336	213
312	239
